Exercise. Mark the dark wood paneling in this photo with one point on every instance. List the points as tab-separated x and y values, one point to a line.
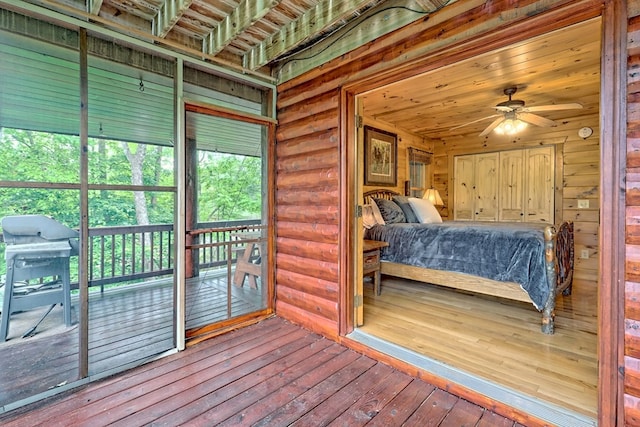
308	124
306	319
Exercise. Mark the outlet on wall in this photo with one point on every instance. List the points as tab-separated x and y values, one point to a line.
584	254
583	204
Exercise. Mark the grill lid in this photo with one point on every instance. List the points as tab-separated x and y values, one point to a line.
24	229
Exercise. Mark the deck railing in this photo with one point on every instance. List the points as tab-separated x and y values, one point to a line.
128	254
131	253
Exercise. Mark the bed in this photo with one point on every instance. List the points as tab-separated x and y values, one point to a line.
517	261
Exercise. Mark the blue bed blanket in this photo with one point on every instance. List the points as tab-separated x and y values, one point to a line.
506	252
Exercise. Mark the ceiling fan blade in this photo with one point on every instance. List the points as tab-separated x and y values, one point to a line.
553	107
492	126
475	121
534	119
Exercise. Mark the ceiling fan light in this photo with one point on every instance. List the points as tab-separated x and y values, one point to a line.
510	127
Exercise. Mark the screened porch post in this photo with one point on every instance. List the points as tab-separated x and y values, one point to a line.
83	328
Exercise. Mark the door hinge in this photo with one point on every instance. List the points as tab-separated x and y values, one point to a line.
359	211
357	300
359	121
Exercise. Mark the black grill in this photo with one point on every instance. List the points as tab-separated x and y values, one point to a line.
36	247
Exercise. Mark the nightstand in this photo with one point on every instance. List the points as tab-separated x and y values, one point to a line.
371	261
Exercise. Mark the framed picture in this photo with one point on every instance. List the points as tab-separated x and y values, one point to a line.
380	154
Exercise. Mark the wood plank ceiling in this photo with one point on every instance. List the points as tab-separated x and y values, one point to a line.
251	34
557	68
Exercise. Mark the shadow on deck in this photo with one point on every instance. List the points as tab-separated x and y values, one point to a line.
270	373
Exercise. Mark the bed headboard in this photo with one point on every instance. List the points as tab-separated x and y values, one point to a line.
379	193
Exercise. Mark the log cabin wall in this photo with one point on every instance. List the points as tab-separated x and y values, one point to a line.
307	211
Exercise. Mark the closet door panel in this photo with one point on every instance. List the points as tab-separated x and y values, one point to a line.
511	186
464	188
486	202
540	172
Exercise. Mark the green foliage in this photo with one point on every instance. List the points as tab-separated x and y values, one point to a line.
229	187
38	156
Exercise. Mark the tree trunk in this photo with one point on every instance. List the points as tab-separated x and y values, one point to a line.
136	160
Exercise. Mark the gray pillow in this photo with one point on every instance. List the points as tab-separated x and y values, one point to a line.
403	202
391	213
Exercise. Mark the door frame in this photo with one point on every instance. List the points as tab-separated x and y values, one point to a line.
268	153
613	132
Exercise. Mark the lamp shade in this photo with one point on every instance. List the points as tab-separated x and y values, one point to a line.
433	196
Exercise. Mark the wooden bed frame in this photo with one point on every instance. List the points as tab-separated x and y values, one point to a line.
559	262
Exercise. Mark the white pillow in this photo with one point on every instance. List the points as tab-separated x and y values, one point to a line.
371	216
368	220
425	211
377	214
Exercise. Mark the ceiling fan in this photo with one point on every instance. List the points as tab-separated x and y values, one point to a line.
513	116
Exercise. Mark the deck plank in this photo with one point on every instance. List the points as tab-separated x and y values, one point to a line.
301	403
239	403
463	414
271	373
133	378
405	403
336	404
433	409
266	406
128	325
165	386
491	419
371	403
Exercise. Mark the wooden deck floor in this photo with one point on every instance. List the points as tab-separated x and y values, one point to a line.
272	373
126	327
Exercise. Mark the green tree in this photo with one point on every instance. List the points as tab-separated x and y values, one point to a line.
230	187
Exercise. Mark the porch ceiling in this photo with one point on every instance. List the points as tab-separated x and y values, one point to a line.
252	34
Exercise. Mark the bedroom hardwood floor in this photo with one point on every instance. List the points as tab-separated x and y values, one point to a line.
495	339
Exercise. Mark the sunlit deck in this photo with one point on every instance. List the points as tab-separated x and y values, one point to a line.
127	326
270	373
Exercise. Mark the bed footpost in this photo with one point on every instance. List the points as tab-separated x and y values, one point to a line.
548	311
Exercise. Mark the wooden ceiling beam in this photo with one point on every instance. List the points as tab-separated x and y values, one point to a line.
242	18
170	13
326	14
93	6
